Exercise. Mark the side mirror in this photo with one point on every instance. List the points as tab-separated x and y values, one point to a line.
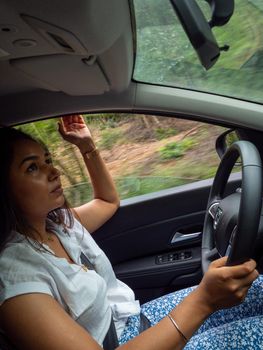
199	30
225	140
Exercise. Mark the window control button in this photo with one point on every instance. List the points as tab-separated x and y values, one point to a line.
171	257
187	255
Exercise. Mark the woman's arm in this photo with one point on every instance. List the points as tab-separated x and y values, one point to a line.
221	287
36	321
106	201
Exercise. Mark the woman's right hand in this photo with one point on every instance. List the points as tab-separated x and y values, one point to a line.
225	286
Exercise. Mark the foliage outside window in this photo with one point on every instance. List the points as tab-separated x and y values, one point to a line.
143	153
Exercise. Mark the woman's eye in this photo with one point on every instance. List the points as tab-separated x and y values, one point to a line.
32	167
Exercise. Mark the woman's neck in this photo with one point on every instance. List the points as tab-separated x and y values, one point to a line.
39	231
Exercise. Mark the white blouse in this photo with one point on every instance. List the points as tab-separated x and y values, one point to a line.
89	297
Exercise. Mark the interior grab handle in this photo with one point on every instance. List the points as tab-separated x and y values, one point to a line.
184	237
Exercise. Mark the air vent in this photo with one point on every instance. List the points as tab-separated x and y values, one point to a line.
61	42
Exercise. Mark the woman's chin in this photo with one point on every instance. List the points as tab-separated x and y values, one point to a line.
61	202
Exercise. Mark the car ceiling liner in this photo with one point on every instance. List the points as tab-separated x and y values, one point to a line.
65	46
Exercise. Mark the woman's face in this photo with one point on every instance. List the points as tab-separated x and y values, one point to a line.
35	183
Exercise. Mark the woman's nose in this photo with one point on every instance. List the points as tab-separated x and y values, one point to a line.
54	173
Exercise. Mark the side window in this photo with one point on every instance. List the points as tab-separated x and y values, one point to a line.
143	153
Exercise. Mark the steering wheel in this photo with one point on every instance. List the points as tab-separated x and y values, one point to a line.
231	222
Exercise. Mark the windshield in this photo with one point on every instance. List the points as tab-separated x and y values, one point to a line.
165	56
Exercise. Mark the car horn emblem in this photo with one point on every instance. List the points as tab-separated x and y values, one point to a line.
217	218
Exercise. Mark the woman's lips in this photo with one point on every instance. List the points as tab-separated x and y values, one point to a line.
58	190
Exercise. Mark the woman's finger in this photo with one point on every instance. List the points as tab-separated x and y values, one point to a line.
239	271
75	119
219	262
61	128
78	118
235	271
65	121
249	279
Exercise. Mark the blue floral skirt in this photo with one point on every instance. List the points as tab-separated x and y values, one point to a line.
237	328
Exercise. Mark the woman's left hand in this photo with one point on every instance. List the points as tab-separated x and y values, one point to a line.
74	130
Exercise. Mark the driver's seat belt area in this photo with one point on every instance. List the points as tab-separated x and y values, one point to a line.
111	340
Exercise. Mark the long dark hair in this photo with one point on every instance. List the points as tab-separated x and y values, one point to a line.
11	216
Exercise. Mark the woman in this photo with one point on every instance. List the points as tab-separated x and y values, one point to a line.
51	300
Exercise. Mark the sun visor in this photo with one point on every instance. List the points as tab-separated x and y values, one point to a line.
73	75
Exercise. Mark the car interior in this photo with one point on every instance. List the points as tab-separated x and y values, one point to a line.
67	57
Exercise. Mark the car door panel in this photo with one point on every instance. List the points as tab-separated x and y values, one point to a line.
142	231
